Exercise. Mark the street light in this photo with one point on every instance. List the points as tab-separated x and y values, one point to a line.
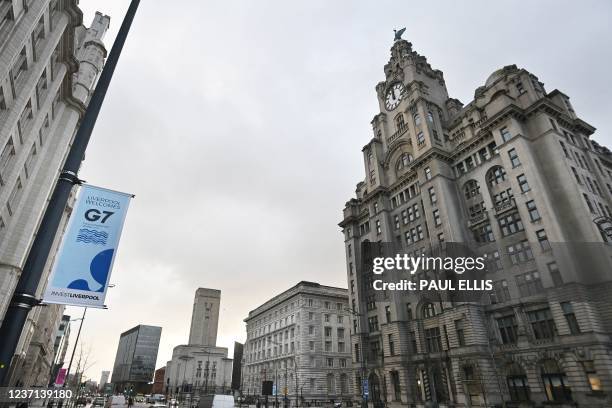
286	376
207	371
364	397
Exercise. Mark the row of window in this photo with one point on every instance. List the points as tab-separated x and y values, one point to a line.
405	195
528	284
408	215
253	383
541	324
477	159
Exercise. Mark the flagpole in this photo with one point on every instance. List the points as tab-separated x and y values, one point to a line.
24	297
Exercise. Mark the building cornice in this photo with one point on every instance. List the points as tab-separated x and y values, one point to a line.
303	287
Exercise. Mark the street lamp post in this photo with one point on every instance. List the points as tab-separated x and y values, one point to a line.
364	398
295	368
207	371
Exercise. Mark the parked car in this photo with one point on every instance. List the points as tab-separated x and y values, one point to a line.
98	402
158	405
81	401
173	402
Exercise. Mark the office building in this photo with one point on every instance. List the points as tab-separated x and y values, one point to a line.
300	340
513	174
135	360
104	379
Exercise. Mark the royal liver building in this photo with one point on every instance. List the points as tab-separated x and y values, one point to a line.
514	175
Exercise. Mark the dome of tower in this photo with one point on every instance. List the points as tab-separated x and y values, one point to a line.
500	73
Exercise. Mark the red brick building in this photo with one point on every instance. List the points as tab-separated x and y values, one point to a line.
158	381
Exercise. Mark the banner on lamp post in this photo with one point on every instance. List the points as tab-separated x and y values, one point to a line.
83	264
61	377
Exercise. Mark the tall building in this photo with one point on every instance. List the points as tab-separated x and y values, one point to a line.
205	317
514	175
300	340
200	367
104	379
135	360
49	63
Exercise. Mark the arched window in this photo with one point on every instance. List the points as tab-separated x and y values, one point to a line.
404	160
496	175
471	189
430	118
429	310
555	381
417	119
518	386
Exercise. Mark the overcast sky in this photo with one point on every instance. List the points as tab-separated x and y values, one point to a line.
239	125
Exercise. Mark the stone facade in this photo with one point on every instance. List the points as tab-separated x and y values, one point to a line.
515	175
205	317
198	370
200	367
300	340
48	65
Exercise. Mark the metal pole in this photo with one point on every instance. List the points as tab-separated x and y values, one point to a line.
295	367
24	296
76	341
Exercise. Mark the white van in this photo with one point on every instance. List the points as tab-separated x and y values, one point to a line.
218	401
116	401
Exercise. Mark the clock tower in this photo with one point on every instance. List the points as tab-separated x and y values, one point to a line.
513	176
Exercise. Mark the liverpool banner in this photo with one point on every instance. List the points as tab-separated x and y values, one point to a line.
84	261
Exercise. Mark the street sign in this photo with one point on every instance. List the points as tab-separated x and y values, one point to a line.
365	388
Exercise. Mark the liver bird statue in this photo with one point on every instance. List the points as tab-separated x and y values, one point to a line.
398	34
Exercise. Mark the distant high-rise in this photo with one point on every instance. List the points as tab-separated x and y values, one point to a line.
104	378
136	356
205	317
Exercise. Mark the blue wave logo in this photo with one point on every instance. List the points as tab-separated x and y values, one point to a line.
89	236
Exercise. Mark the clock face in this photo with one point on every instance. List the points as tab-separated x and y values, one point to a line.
394	96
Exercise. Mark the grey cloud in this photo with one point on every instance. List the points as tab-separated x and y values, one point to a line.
239	127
